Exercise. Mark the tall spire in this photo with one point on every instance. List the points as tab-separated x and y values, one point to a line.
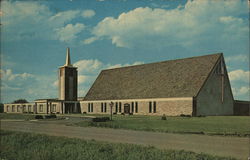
68	63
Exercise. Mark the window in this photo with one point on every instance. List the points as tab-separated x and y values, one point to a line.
105	107
53	108
29	108
18	108
13	108
90	107
40	108
132	107
116	107
8	108
101	107
154	107
24	108
136	107
120	107
150	107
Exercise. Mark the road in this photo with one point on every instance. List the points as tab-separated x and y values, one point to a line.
237	147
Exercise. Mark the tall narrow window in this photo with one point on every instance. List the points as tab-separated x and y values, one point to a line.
24	108
29	108
101	107
136	107
154	107
116	107
120	107
13	108
40	108
150	107
132	107
105	107
92	107
88	107
8	108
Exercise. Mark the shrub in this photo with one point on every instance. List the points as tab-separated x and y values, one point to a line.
122	114
100	119
130	113
50	116
114	113
38	117
84	112
184	115
163	117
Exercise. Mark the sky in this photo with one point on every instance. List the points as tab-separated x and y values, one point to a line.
105	34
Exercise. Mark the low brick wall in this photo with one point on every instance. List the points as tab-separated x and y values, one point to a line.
241	108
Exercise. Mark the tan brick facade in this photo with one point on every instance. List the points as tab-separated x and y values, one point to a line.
167	106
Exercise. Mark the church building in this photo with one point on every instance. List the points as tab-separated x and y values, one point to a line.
191	86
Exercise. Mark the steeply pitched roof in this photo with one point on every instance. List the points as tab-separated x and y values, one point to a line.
174	78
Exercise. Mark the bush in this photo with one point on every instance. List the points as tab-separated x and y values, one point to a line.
100	119
122	114
50	116
130	113
184	115
38	117
114	113
84	112
163	117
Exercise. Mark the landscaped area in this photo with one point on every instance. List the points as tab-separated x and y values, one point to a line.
211	125
23	146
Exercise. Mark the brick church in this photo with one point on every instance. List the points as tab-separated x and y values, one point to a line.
190	86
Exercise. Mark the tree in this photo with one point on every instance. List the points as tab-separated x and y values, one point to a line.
20	101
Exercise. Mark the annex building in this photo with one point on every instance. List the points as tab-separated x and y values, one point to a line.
191	86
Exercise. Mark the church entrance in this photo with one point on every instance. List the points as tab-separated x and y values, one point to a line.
126	108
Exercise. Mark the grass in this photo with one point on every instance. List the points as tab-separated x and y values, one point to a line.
23	146
211	125
18	116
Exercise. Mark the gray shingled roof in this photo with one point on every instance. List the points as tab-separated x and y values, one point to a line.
174	78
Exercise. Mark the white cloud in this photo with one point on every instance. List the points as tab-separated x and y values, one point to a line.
10	76
88	66
239	75
82	79
33	20
241	91
89	40
237	58
198	23
69	32
88	13
55	83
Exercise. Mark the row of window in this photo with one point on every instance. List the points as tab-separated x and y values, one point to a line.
27	108
19	108
152	109
118	107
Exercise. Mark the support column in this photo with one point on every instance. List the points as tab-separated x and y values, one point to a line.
47	107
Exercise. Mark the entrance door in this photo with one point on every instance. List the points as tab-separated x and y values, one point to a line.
126	108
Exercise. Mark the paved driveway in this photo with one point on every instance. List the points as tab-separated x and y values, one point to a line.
216	145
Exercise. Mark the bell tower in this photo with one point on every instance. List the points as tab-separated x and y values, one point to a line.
67	76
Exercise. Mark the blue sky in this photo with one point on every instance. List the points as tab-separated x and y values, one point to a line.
113	33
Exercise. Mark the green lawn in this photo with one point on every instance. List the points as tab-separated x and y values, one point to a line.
212	125
17	116
24	146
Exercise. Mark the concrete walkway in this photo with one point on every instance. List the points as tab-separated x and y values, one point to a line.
215	145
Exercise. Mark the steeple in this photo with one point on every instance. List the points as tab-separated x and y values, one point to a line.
68	63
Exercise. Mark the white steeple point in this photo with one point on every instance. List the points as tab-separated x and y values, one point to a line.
68	63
